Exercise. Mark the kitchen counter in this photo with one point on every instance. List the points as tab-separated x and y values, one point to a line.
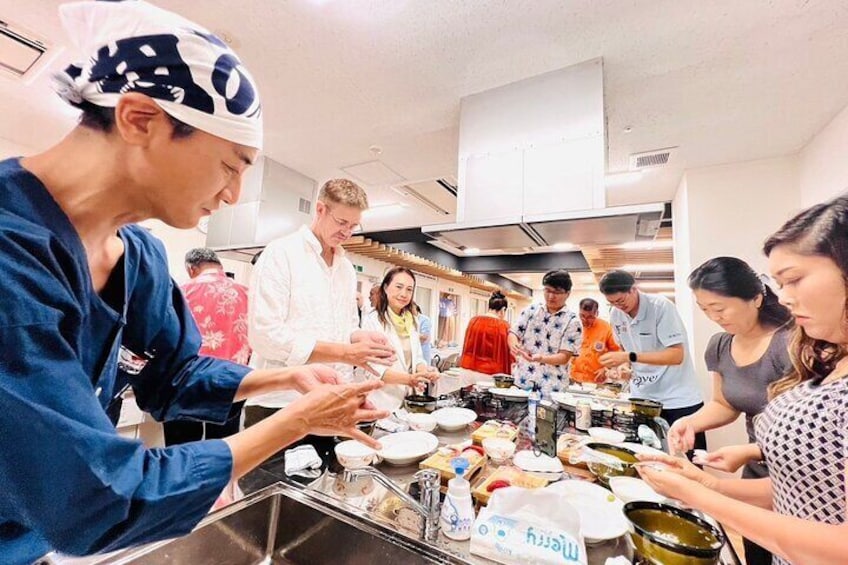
373	502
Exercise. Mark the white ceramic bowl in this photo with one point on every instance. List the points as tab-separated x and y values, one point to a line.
421	422
355	455
498	449
541	465
630	489
607	435
454	419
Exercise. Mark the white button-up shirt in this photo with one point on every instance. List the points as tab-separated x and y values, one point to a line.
296	300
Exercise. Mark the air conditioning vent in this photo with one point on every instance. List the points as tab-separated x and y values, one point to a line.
304	206
439	194
19	51
651	159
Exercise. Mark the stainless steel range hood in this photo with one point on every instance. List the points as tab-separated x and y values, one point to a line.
597	227
532	157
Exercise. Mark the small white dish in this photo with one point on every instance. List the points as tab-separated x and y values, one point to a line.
484	385
541	465
630	489
498	449
564	399
514	393
352	454
404	448
601	512
607	435
421	422
453	419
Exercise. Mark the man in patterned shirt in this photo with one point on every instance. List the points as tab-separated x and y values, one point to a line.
545	337
219	307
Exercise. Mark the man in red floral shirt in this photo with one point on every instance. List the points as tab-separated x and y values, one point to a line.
219	307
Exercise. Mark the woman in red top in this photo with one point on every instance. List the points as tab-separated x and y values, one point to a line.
486	349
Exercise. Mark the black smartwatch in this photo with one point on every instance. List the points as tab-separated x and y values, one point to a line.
632	356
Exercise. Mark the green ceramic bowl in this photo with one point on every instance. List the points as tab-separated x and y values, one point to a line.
667	535
604	472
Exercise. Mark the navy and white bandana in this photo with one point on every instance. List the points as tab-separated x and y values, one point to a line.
137	47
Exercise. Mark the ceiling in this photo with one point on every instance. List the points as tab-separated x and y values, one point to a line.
348	83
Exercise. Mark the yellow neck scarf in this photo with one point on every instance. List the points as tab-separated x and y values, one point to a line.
403	323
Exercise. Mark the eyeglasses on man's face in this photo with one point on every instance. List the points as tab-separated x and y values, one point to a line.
343	224
619	300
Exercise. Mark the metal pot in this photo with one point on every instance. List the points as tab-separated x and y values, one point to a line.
502	380
667	535
645	407
420	403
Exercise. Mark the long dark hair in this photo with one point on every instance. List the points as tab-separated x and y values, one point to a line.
734	278
821	230
497	301
382	303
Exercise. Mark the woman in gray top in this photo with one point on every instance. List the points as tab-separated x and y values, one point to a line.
744	359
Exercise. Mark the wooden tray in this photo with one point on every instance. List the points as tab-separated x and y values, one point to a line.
441	463
514	475
487	431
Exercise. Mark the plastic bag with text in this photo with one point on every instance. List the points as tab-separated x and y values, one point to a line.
528	525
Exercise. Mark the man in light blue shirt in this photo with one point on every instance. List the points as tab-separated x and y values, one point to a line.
653	339
425	328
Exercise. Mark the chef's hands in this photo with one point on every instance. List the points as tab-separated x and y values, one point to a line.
519	353
614	358
309	377
368	347
423	377
334	410
681	436
676	478
729	458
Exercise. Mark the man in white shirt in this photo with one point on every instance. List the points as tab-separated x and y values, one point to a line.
651	334
303	298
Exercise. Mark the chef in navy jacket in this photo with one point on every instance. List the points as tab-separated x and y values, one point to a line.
171	120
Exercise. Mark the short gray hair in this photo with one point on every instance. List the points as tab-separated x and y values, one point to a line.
201	255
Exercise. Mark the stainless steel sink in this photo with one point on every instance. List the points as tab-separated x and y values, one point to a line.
281	524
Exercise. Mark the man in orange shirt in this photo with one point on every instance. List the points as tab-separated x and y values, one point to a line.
597	340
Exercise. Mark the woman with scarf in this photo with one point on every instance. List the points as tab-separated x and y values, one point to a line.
394	315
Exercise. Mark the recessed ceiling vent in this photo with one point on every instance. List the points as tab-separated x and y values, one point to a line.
20	51
651	159
438	194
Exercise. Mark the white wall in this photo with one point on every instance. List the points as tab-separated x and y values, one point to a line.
823	166
10	148
727	210
179	242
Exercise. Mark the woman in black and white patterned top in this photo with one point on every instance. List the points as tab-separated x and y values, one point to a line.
799	513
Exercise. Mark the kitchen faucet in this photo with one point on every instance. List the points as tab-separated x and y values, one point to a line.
429	483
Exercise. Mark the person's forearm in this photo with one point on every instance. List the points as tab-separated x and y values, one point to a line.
797	540
263	381
329	352
511	339
262	440
712	415
561	358
670	356
757	492
395	377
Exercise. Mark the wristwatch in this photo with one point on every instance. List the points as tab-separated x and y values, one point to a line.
632	356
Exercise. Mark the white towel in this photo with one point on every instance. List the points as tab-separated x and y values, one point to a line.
303	461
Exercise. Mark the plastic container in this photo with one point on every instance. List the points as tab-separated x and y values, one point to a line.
458	508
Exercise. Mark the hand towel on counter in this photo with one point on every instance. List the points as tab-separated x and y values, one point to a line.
303	461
